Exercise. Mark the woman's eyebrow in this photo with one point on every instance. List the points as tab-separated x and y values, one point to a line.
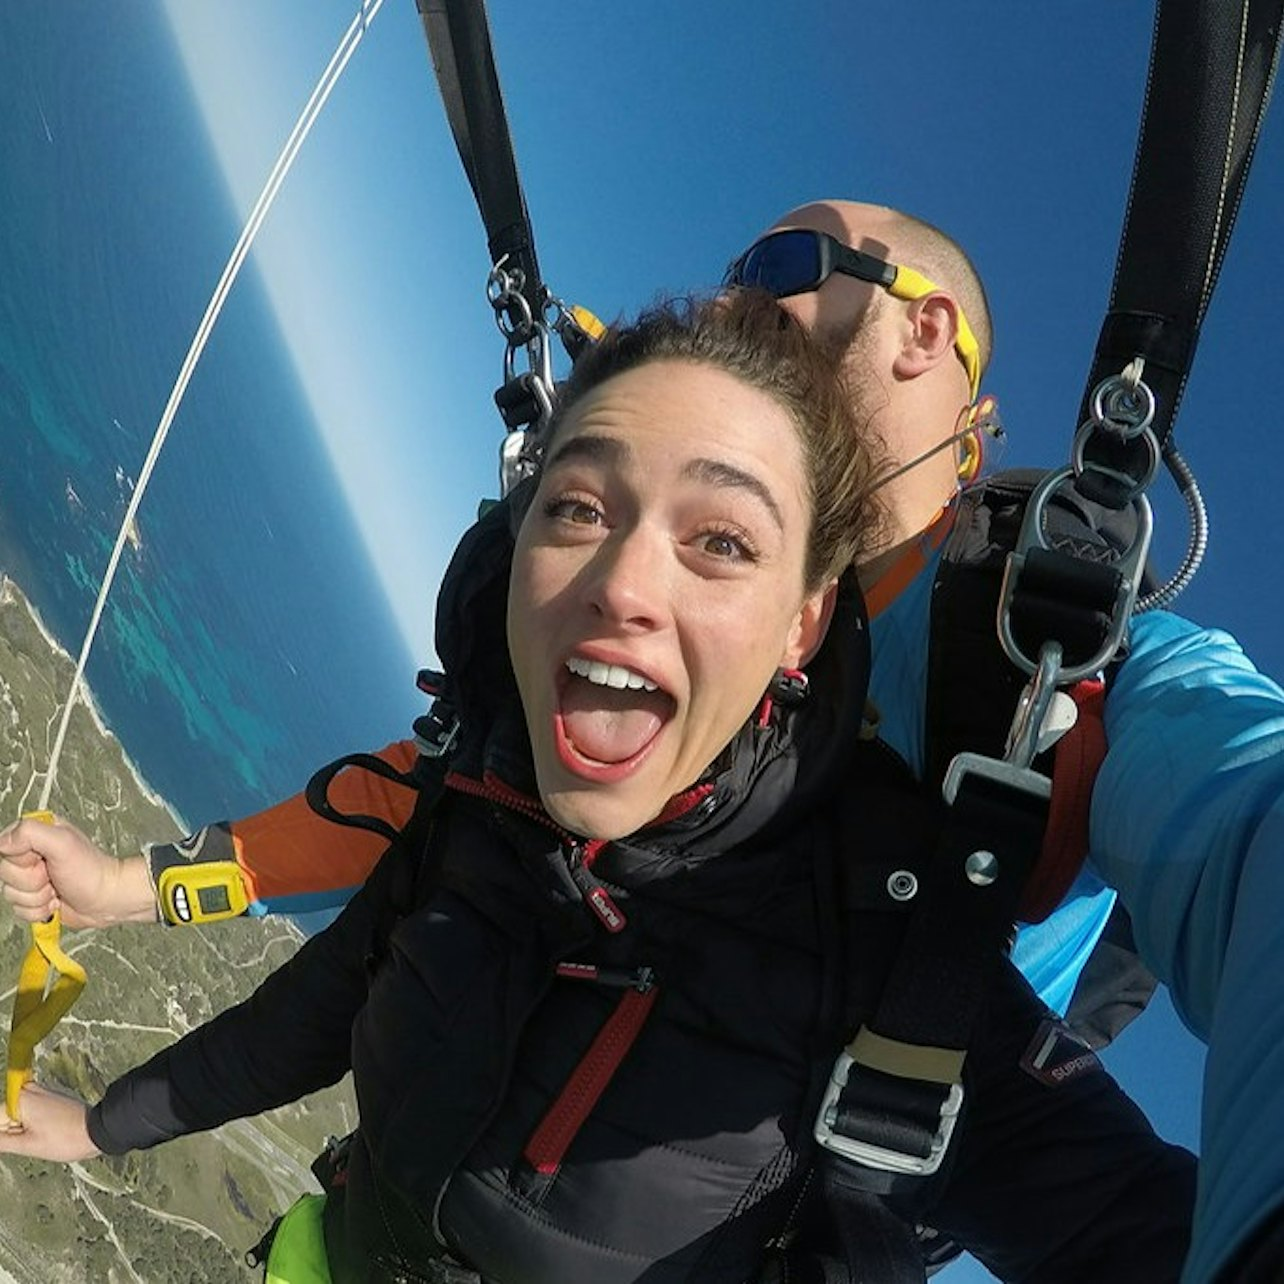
602	450
716	472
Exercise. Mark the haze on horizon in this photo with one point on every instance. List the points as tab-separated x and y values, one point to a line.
333	256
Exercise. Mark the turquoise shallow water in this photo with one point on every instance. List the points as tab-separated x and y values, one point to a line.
247	640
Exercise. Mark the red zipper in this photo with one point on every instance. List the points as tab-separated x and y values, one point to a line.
495	790
581	855
580	1094
682	803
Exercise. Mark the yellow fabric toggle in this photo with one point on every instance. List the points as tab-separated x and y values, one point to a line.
588	322
35	1012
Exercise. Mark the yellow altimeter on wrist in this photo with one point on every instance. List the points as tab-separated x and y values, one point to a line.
202	892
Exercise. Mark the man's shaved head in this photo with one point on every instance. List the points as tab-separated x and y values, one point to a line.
903	239
906	378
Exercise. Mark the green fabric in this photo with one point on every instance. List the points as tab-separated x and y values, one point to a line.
298	1251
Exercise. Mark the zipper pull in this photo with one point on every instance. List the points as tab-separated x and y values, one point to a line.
595	896
640	979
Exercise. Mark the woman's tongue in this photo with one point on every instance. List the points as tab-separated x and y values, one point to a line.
609	725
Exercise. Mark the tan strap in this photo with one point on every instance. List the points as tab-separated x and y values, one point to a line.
906	1060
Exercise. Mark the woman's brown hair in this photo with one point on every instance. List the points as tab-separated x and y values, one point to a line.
747	334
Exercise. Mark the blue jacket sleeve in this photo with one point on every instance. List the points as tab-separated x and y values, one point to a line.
1188	823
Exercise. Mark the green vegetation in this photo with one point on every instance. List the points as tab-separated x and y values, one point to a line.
184	1213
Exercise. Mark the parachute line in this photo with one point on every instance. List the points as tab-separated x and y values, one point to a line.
329	78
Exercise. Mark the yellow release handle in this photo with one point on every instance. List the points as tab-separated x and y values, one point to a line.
588	322
35	1013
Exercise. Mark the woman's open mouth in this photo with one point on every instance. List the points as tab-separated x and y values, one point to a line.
608	718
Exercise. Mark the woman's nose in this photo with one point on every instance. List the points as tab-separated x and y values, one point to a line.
628	583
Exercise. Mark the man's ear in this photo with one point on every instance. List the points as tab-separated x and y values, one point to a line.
929	340
810	626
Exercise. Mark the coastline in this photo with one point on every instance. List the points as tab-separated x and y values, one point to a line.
11	592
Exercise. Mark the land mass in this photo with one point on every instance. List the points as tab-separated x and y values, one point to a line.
186	1212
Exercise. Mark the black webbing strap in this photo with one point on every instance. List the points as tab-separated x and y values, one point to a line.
907	1059
964	914
317	792
1062	598
435	735
896	1090
459	41
878	1245
1212	66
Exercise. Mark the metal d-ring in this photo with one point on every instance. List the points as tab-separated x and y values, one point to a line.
1122	406
1135	486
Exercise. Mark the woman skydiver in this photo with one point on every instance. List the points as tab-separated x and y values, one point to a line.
590	1030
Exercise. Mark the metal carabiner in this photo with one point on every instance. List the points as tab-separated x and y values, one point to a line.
1128	564
539	360
515	460
513	313
1033	707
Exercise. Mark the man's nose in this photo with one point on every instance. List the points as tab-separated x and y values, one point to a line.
628	579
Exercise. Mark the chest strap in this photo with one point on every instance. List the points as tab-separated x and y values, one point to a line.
896	1090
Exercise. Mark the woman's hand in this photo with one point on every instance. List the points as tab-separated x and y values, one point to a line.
54	1126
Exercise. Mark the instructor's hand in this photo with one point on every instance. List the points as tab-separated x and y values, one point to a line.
47	867
54	1126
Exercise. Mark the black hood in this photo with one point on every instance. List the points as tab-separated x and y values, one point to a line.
796	758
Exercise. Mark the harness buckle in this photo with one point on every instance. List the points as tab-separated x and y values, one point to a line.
330	1167
437	731
868	1154
1021	779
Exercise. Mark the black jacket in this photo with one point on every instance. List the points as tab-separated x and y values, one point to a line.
701	1043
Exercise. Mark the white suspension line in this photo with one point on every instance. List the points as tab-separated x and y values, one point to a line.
329	78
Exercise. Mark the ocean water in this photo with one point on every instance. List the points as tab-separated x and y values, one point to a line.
247	640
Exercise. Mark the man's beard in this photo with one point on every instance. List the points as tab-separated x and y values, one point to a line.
852	348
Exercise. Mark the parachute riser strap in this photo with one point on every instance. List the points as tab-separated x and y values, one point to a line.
463	58
1212	69
37	1006
1064	608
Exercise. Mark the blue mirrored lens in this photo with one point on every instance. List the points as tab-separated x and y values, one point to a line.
785	263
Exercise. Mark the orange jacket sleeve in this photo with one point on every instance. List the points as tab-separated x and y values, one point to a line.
294	861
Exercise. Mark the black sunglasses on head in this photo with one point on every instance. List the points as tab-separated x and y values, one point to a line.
798	260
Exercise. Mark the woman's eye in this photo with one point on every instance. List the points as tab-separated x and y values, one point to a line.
579	511
729	546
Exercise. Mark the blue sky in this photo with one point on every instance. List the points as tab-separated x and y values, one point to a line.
657	139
